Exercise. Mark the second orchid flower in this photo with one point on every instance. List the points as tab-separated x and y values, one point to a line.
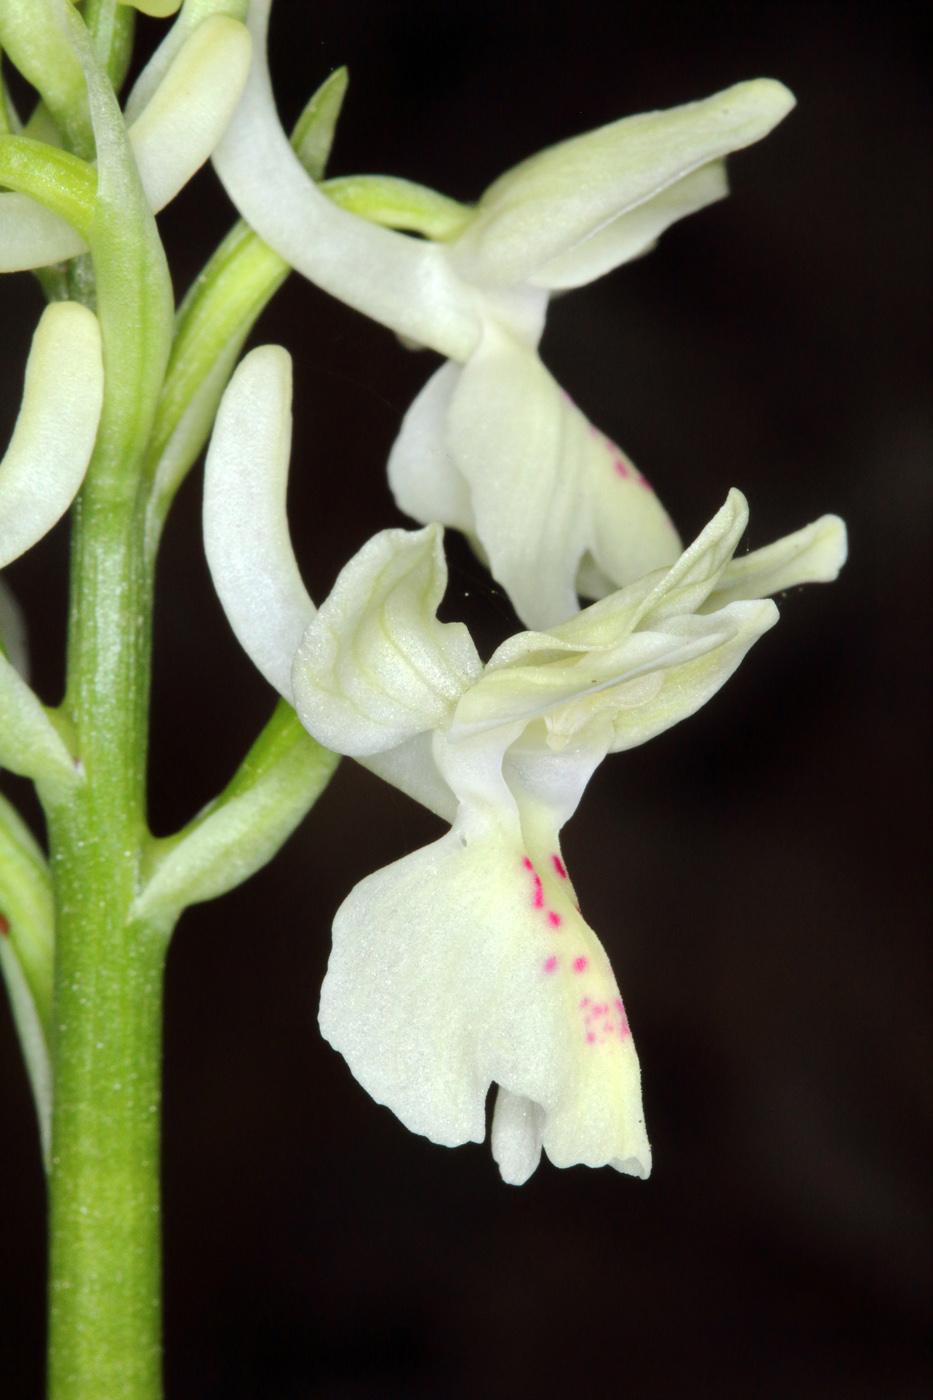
469	962
491	446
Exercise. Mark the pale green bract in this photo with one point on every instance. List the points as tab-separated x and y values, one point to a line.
468	962
491	445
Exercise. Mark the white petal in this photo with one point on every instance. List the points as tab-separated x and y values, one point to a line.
467	963
547	206
575	684
688	686
814	554
375	667
405	283
688	583
636	232
546	487
424	478
54	435
246	536
183	121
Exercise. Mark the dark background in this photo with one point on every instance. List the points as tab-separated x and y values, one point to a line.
758	874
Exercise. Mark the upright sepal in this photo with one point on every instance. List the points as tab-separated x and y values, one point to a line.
547	207
246	535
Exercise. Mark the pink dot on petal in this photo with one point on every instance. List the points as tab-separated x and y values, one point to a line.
579	964
527	864
620	466
539	893
550	965
554	920
558	865
590	1037
584	1002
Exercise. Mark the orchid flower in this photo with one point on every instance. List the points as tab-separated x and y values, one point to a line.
176	114
469	962
491	445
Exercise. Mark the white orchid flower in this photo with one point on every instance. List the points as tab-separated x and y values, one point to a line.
172	136
491	445
53	439
469	962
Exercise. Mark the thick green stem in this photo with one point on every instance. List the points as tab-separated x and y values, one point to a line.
106	1047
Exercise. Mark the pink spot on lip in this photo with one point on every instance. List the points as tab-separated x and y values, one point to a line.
527	864
621	466
590	1037
579	964
550	965
554	920
558	865
584	1002
539	893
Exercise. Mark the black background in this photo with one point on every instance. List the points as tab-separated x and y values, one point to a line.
758	874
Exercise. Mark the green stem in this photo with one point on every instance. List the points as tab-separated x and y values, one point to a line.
106	1040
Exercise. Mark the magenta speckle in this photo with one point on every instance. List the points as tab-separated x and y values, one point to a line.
550	965
590	1037
579	964
621	466
539	893
554	920
584	1002
527	864
558	865
623	1020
